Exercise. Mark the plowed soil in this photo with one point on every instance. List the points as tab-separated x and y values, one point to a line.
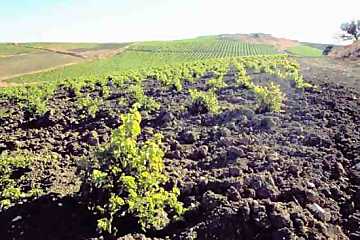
242	174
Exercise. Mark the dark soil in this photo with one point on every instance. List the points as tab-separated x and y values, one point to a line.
242	174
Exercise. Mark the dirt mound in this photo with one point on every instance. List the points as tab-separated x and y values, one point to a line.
261	38
351	52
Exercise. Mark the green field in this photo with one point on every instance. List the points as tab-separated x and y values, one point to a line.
205	47
76	46
305	51
156	53
11	49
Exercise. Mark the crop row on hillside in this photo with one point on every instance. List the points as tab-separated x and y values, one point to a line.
207	47
152	54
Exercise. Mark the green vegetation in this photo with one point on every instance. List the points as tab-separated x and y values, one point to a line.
75	46
13	190
125	178
207	99
104	67
145	102
270	97
34	97
12	49
131	176
147	54
305	51
217	82
90	105
205	47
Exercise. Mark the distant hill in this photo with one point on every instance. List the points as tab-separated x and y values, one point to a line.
292	47
262	38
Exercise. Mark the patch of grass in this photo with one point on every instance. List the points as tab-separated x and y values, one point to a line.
12	49
75	46
305	51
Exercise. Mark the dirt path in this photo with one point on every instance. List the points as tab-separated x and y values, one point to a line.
87	58
73	54
340	72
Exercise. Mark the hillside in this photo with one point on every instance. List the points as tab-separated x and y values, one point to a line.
27	62
350	52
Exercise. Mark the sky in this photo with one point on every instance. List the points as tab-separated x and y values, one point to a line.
140	20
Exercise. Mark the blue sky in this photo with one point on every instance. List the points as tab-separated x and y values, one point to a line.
138	20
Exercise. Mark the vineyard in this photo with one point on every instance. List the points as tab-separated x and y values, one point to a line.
180	140
206	47
147	54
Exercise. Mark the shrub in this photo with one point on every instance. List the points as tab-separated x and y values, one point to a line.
145	102
217	82
270	97
127	179
91	106
206	99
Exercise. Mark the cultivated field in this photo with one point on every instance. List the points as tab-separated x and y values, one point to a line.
146	54
33	58
206	138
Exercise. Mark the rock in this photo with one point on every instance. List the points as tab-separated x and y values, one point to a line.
355	175
200	152
44	121
234	153
92	138
188	137
339	170
233	194
165	117
198	107
280	219
357	198
327	49
319	212
311	196
354	221
357	166
310	185
263	185
294	170
355	235
135	237
268	123
259	216
234	171
283	234
314	140
211	200
75	149
17	218
249	113
225	132
175	154
244	212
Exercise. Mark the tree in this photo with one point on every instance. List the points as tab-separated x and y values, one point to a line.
351	29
